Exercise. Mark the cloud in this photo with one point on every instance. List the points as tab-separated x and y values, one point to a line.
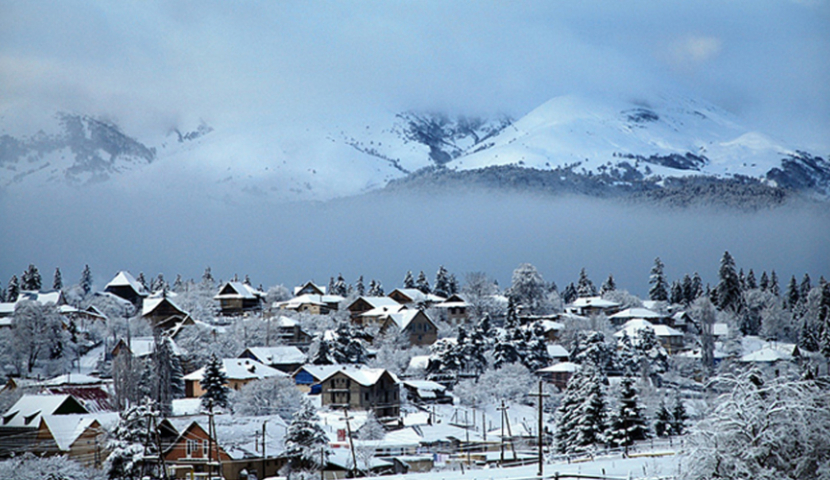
689	53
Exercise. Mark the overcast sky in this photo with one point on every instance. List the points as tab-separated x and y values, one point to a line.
150	65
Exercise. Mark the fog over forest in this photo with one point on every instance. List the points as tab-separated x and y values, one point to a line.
382	236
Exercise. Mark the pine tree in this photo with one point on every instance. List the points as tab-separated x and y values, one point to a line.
764	282
213	384
306	443
805	287
608	285
662	424
659	287
697	287
773	284
323	356
629	424
359	289
677	296
453	284
751	283
679	417
208	282
142	281
178	284
57	281
729	288
442	283
340	287
422	284
568	412
12	289
247	280
792	296
585	288
30	280
86	280
408	280
128	441
569	294
2	293
591	424
158	283
375	289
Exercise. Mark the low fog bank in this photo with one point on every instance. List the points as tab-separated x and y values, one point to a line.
382	236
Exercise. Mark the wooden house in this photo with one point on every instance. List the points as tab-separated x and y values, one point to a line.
240	372
362	305
284	358
312	303
125	286
413	296
309	288
359	388
78	437
236	298
164	314
414	324
456	308
193	453
591	306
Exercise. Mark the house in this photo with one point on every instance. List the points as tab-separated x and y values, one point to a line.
308	377
288	331
413	296
92	392
358	388
163	313
309	288
558	353
125	286
590	306
193	452
669	338
312	303
623	316
21	424
363	304
426	392
377	316
284	358
141	347
415	324
78	437
456	308
240	372
558	374
236	298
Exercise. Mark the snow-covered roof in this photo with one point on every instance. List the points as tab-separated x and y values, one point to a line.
151	304
309	298
238	290
7	309
30	408
560	367
720	329
418	296
320	288
597	302
143	346
637	312
425	385
72	379
65	429
42	298
558	351
632	327
376	302
767	354
550	325
418	362
240	369
125	279
404	318
280	355
362	375
385	310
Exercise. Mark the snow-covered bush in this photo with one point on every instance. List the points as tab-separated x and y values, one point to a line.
268	396
31	467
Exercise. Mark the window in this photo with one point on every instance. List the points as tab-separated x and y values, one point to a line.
205	448
191	446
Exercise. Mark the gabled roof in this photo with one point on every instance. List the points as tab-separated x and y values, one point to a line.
632	327
561	367
597	302
281	355
232	290
143	346
417	296
376	302
65	429
558	351
152	304
385	310
318	288
240	369
637	312
404	318
362	375
54	297
322	300
125	279
28	411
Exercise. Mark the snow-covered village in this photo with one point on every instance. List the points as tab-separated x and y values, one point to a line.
446	378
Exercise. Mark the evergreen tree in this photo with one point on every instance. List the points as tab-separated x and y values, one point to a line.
340	287
568	413
659	287
323	355
679	417
591	423
247	280
677	296
729	288
585	287
742	279
422	284
590	349
375	289
628	361
453	283
442	283
359	289
608	285
569	294
629	424
805	287
30	280
809	337
2	293
158	283
127	444
12	289
330	288
86	280
688	289
536	354
169	374
792	296
773	284
208	282
178	284
697	287
213	383
306	443
751	283
764	282
142	281
57	282
662	424
408	280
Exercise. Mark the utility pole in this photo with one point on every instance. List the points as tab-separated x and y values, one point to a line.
541	397
264	454
503	410
351	443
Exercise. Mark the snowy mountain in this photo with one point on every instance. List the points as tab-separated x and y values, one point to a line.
635	144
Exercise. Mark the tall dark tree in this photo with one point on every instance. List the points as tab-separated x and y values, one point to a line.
697	288
213	383
306	443
608	285
57	281
764	282
688	293
453	285
442	283
773	284
86	280
585	287
793	294
659	288
12	289
359	288
729	287
629	424
663	420
142	281
751	283
679	416
569	295
422	284
2	293
677	296
581	414
208	282
375	289
408	280
31	280
340	288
